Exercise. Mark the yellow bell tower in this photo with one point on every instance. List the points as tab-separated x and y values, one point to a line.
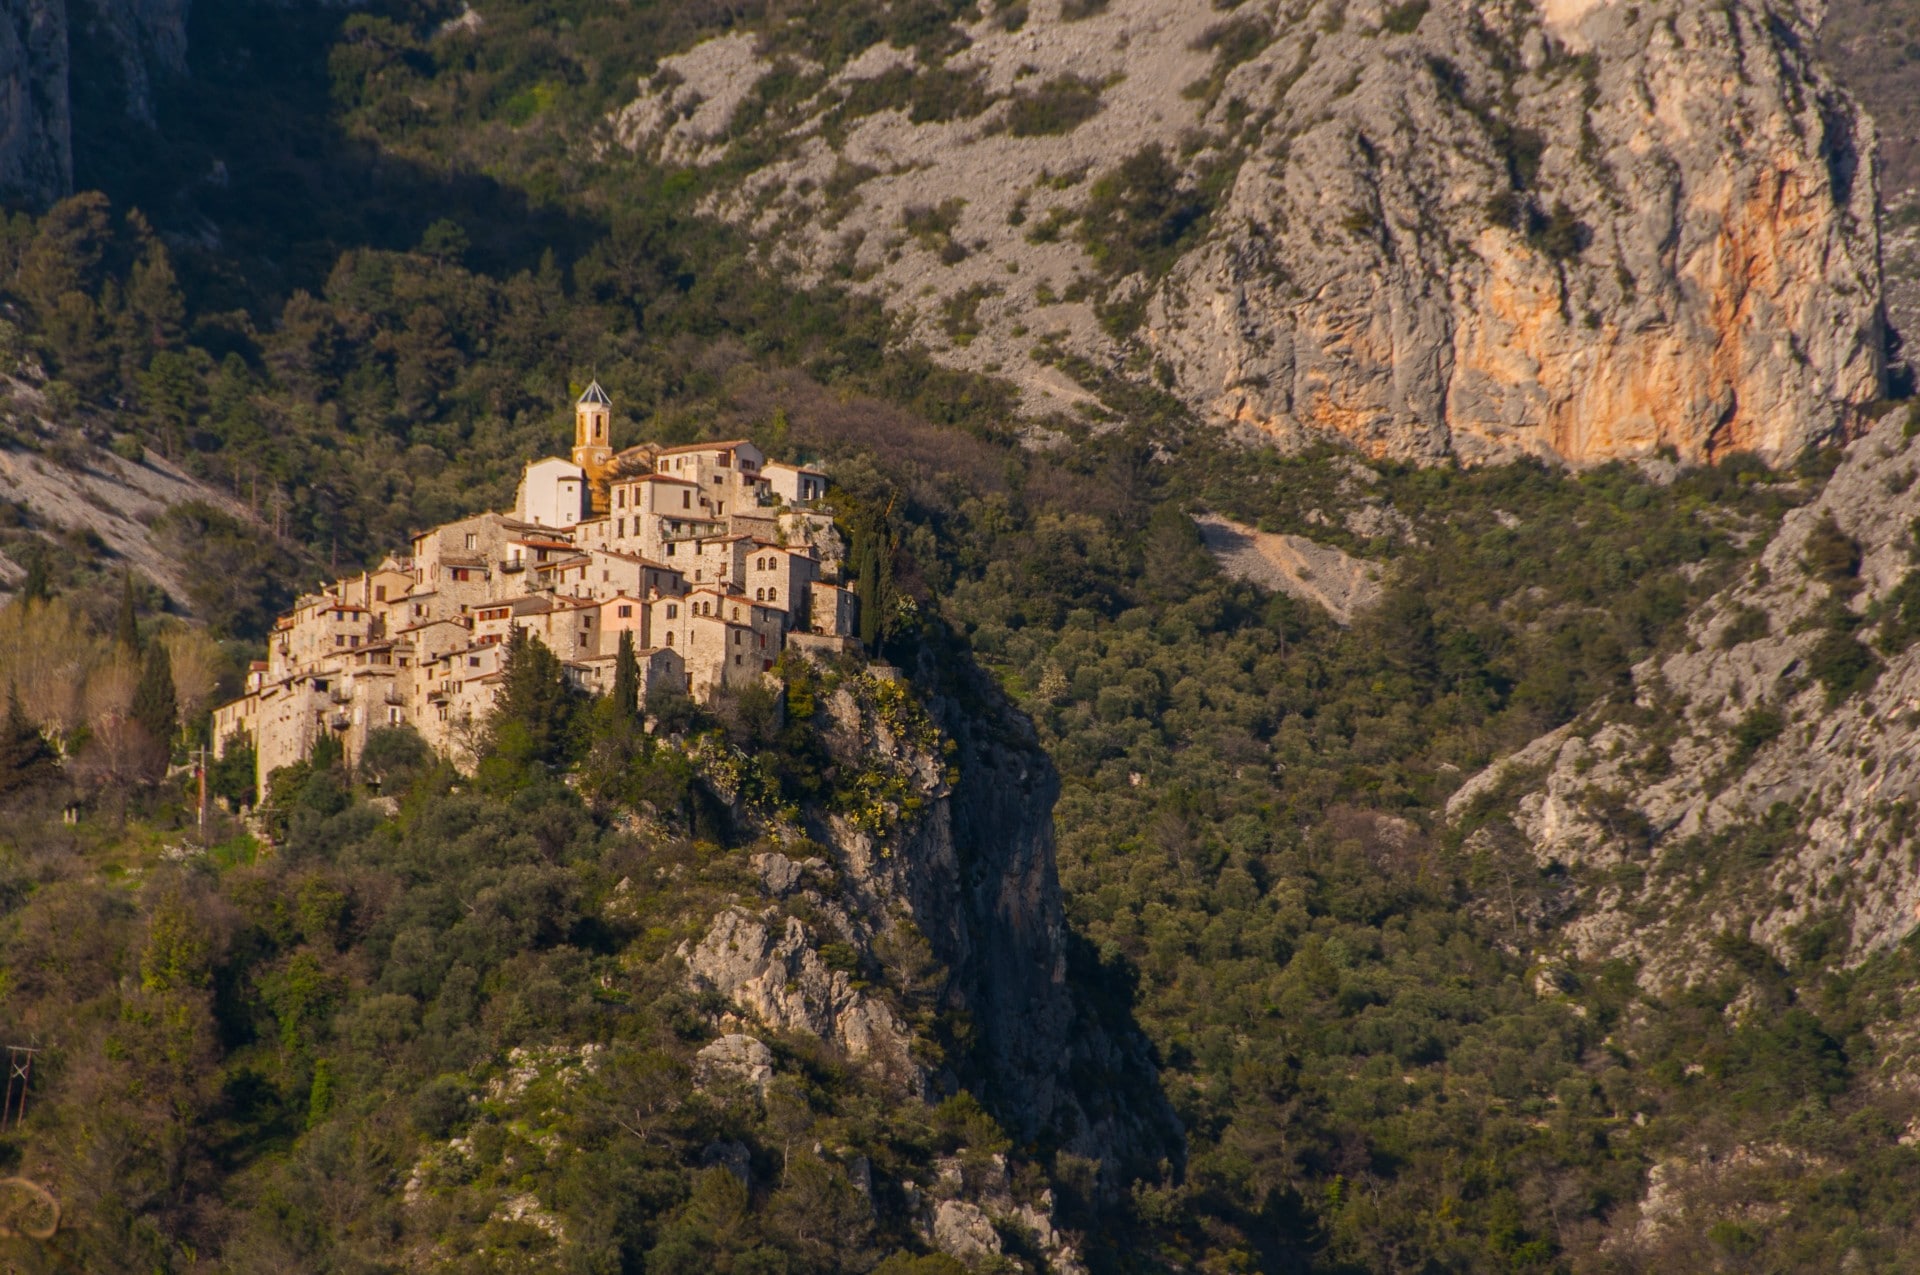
592	448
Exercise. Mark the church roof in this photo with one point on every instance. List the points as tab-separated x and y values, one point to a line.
597	395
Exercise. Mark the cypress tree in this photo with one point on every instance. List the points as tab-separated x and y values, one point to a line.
873	563
626	680
126	631
153	703
25	756
536	703
39	583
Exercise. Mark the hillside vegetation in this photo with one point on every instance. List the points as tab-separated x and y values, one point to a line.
442	1024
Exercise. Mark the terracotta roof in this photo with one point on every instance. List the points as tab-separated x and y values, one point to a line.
656	478
642	560
460	622
707	447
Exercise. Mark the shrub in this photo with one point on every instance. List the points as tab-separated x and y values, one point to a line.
1831	554
1760	727
1057	107
1749	624
1900	610
1842	665
1141	215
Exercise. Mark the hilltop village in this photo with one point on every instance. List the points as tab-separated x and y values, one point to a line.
712	557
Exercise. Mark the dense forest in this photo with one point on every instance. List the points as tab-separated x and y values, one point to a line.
335	1052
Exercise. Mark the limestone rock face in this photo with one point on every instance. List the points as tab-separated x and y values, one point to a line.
1580	229
36	145
1749	793
1611	229
145	39
775	972
940	898
736	1058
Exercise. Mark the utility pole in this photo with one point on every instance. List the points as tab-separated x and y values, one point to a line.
13	1107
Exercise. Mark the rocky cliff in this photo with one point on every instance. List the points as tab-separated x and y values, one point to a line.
920	931
122	43
1577	229
1763	782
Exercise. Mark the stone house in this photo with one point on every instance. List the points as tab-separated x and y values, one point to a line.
692	550
661	671
793	484
780	577
834	611
728	474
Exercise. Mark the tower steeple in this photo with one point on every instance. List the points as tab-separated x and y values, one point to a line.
592	440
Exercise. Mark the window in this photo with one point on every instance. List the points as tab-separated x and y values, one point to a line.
669	637
393	717
686	500
736	637
460	573
620	527
736	659
759	595
339	639
696	575
673	612
626	613
379	593
771	594
620	498
586	621
353	641
473	540
473	661
736	615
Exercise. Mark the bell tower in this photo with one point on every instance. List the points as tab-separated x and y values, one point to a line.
592	448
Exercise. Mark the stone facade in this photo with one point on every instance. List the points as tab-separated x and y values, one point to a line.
691	550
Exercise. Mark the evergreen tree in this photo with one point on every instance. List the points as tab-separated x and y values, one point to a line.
873	565
26	759
533	717
327	753
126	632
153	702
626	680
39	583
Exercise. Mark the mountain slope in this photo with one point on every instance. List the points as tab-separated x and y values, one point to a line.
1760	780
1429	229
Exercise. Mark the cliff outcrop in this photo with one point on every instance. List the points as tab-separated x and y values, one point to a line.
1763	783
125	43
917	929
1579	229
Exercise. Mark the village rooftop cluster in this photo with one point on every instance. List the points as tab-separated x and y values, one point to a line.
712	557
